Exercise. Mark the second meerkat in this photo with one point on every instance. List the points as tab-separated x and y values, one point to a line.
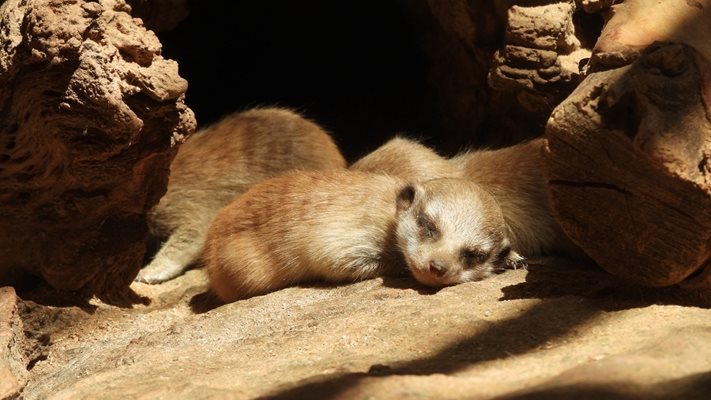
219	163
513	175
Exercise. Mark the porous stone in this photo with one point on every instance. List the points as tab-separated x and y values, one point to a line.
539	64
160	15
90	115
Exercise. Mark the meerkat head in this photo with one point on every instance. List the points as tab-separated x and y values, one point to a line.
452	231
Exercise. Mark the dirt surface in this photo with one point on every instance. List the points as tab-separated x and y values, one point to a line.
554	331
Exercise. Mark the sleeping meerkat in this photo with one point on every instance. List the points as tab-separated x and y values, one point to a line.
406	159
221	162
341	226
513	175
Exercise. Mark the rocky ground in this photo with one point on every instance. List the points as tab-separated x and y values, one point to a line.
554	331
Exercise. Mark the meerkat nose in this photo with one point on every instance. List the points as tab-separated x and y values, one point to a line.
438	268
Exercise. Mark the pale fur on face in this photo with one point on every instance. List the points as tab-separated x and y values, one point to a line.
452	231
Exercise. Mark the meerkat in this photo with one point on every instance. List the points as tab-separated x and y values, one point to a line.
341	226
513	175
219	163
407	159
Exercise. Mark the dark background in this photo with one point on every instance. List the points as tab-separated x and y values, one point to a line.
352	66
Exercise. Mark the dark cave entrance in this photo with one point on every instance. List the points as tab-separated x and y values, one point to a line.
353	66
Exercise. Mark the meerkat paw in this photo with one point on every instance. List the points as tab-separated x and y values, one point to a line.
159	272
516	261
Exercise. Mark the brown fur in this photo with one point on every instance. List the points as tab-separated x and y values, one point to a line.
222	161
513	175
407	159
344	226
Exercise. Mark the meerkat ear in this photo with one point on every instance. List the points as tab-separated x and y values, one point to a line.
406	196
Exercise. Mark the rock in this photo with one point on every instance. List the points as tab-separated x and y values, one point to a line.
498	97
384	338
539	64
13	360
634	25
160	15
627	163
634	374
547	27
593	6
91	114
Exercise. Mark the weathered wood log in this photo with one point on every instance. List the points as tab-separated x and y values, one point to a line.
628	151
90	113
627	163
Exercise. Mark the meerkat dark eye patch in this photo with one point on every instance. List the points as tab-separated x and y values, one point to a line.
427	226
474	256
405	197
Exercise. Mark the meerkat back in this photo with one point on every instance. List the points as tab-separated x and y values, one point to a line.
242	149
219	163
514	176
407	159
302	226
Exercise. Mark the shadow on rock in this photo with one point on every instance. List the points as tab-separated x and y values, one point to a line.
401	281
543	322
45	295
204	302
557	277
693	387
408	282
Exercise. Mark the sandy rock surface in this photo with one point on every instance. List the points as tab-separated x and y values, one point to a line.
13	374
553	331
